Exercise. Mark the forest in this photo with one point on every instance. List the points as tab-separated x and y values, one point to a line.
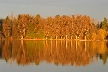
80	27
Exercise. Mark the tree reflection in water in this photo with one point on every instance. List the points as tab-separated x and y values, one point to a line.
59	52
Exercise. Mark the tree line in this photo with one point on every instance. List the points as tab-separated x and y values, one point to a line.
25	26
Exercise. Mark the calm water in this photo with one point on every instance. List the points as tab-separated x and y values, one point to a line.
53	56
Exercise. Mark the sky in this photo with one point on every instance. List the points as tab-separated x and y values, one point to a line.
96	9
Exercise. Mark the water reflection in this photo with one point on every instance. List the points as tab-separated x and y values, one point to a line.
59	52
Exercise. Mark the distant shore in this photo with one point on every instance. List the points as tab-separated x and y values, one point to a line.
55	39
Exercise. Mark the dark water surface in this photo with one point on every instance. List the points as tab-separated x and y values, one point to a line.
53	56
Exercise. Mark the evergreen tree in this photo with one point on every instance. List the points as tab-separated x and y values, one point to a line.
1	21
30	31
104	24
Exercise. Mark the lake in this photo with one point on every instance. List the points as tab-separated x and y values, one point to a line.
53	56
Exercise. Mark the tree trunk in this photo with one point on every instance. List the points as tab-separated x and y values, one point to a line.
56	37
66	37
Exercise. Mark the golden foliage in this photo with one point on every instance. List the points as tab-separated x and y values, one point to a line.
101	34
59	26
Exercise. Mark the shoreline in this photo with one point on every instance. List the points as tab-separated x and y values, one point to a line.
56	39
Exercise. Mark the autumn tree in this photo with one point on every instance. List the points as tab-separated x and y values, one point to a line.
101	34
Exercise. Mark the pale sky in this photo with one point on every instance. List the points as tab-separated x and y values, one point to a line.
97	9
